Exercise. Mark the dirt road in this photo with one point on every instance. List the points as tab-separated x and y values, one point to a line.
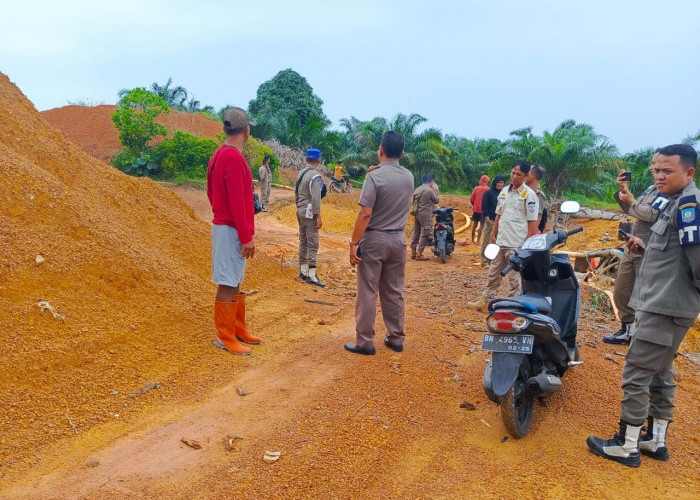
351	426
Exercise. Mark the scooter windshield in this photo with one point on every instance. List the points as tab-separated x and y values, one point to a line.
536	242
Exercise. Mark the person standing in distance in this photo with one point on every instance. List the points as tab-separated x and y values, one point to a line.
230	192
533	182
378	247
309	188
265	178
516	220
488	205
645	210
667	301
426	197
476	200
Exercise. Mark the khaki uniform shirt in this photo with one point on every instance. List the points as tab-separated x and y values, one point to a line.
516	207
388	190
309	190
264	175
644	213
427	198
668	280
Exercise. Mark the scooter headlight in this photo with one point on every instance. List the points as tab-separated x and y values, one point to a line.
536	242
506	322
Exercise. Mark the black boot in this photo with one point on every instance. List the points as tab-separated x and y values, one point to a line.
622	336
623	447
653	443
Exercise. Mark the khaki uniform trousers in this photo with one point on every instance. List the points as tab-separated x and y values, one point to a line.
421	231
381	271
647	377
624	283
308	240
494	275
488	229
265	192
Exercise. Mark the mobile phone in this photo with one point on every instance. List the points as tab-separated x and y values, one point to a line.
627	176
359	251
626	236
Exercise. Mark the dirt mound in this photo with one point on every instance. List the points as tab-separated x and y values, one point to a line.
92	129
124	264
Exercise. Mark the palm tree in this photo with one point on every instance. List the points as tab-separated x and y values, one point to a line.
175	96
572	152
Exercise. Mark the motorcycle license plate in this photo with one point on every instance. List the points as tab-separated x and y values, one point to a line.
508	343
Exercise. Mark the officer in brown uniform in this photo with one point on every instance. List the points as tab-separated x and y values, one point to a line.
666	297
427	197
645	209
308	194
265	177
378	247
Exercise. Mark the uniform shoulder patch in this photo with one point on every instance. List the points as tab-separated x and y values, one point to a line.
648	190
686	220
372	168
531	206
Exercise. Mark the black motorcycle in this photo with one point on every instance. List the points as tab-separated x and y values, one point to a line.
443	233
532	336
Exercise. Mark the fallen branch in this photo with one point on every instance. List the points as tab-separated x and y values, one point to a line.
75	428
322	302
446	361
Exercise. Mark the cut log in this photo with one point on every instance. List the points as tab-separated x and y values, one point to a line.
591	213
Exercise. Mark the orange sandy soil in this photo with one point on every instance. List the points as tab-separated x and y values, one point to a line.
91	127
127	265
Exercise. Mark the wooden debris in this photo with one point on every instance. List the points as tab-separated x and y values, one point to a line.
251	292
467	406
45	306
623	354
148	387
612	358
485	423
241	391
591	213
446	361
75	428
322	302
192	443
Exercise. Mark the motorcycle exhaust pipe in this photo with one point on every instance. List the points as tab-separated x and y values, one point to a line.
544	383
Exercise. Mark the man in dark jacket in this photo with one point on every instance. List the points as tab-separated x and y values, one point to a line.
488	206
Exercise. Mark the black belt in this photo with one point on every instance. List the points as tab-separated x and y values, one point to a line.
385	230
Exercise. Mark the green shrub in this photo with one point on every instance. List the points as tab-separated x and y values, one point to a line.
143	165
184	155
254	152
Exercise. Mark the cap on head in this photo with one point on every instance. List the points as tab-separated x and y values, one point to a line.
313	154
236	118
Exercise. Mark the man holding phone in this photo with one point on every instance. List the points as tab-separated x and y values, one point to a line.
667	300
644	209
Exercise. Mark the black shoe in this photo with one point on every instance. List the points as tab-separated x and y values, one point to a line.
620	337
304	277
622	448
367	351
315	281
393	347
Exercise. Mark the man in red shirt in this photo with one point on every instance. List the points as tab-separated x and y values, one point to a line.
478	213
230	192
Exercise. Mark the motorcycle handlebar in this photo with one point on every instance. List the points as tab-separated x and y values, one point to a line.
507	269
575	230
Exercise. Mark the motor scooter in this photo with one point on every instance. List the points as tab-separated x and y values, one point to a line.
532	336
443	233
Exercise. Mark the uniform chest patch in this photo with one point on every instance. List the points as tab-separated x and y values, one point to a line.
688	228
523	195
660	202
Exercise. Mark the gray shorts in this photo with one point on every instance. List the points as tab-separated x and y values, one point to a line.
227	263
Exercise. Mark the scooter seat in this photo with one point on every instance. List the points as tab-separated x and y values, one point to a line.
531	302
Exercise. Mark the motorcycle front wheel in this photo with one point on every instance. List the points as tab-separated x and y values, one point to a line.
516	405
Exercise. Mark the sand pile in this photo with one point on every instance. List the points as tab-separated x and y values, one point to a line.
92	129
125	266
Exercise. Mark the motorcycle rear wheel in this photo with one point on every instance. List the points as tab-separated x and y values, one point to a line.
516	405
443	255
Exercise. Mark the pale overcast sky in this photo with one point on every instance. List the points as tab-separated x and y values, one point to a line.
474	68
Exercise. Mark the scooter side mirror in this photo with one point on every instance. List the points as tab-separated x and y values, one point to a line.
491	251
570	207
